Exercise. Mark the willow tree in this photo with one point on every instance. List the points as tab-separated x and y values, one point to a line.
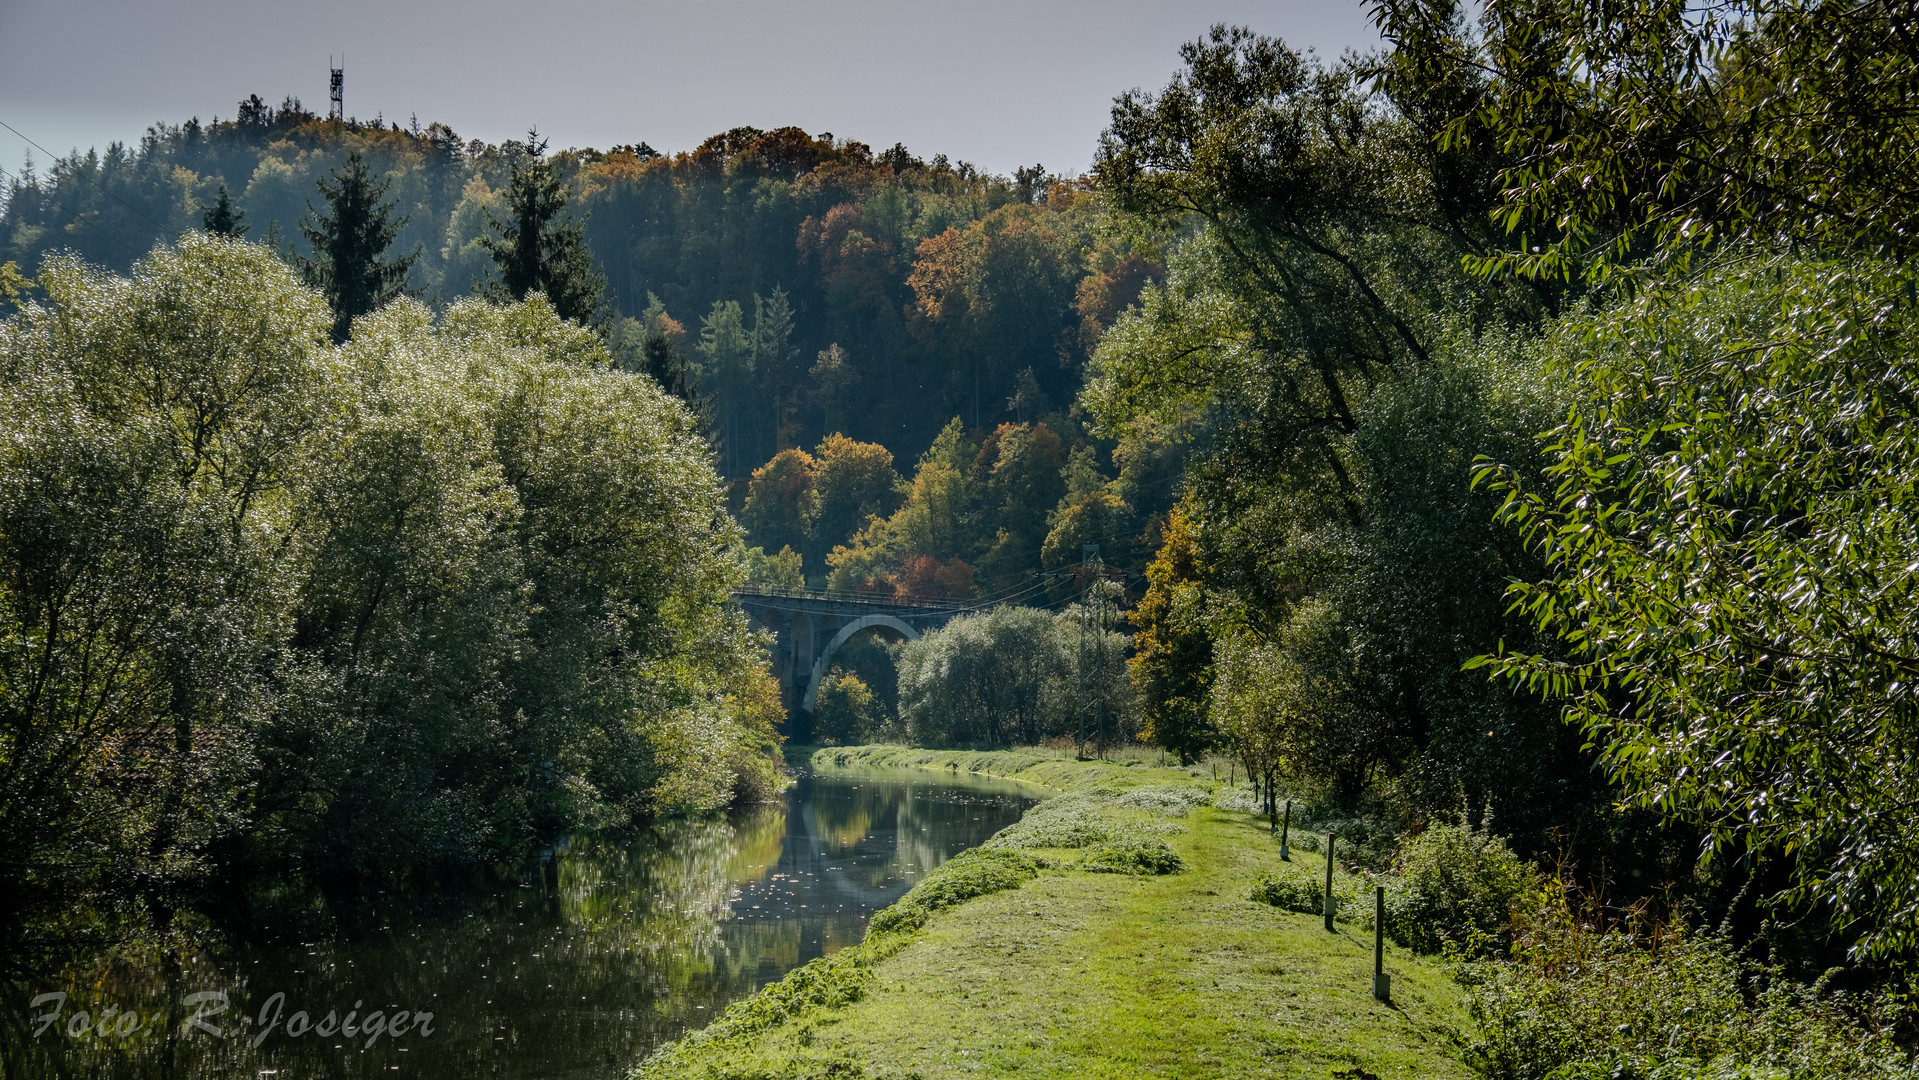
273	606
1315	329
1725	522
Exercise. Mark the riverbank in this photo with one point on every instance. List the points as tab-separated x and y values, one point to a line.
1108	934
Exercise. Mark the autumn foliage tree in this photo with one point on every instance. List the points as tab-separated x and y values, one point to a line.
1172	659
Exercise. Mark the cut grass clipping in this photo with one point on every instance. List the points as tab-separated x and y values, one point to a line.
846	976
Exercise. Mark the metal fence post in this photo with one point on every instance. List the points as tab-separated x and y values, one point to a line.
1332	905
1285	853
1382	983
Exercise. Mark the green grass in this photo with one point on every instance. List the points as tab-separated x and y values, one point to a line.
1024	964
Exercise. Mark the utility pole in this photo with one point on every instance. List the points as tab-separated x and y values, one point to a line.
1089	555
1099	649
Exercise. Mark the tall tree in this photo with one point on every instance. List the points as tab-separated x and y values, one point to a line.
651	345
223	218
1311	312
852	481
539	251
780	500
726	352
774	360
1171	666
1645	134
350	241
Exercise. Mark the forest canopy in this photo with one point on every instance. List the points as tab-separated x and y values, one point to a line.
808	284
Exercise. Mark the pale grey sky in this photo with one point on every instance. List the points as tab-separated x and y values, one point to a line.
997	82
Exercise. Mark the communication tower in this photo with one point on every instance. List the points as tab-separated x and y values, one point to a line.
336	109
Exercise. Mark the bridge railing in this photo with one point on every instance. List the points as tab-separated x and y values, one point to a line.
856	596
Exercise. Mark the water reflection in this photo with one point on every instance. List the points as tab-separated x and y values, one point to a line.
576	967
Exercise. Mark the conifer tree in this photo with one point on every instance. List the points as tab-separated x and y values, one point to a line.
350	241
223	218
538	251
660	356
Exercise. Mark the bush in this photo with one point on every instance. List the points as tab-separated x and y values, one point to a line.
1000	678
1636	1068
1352	896
1238	798
1294	892
1133	857
1575	1004
845	710
1457	888
829	982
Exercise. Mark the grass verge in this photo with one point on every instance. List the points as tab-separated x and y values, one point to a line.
1110	933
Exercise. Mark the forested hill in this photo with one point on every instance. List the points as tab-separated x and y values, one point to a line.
819	286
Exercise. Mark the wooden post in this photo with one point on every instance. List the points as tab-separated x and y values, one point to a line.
1382	983
1286	853
1332	905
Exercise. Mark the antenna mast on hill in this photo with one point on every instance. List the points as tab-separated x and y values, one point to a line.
335	88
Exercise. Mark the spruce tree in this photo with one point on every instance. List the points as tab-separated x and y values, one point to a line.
349	243
535	250
223	218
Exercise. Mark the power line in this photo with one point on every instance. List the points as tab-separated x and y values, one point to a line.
102	189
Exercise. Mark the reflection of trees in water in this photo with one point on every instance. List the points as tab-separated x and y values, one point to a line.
577	967
631	928
924	837
669	895
840	828
922	814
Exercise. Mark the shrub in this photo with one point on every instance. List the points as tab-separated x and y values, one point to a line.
1134	857
1574	1004
1002	677
1457	888
1294	892
1238	798
1352	896
845	710
829	982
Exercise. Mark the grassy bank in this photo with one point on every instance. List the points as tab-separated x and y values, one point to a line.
1107	934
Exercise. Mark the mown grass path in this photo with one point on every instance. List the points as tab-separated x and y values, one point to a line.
1077	974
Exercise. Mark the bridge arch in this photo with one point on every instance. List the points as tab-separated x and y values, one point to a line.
864	622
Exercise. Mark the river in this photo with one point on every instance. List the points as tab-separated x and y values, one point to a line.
574	966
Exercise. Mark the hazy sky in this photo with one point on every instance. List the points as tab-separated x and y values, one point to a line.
997	82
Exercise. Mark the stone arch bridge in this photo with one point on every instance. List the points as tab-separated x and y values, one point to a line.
810	626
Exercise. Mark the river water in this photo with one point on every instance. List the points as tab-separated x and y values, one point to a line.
575	966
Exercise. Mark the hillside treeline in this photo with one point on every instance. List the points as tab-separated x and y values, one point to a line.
814	285
1002	514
